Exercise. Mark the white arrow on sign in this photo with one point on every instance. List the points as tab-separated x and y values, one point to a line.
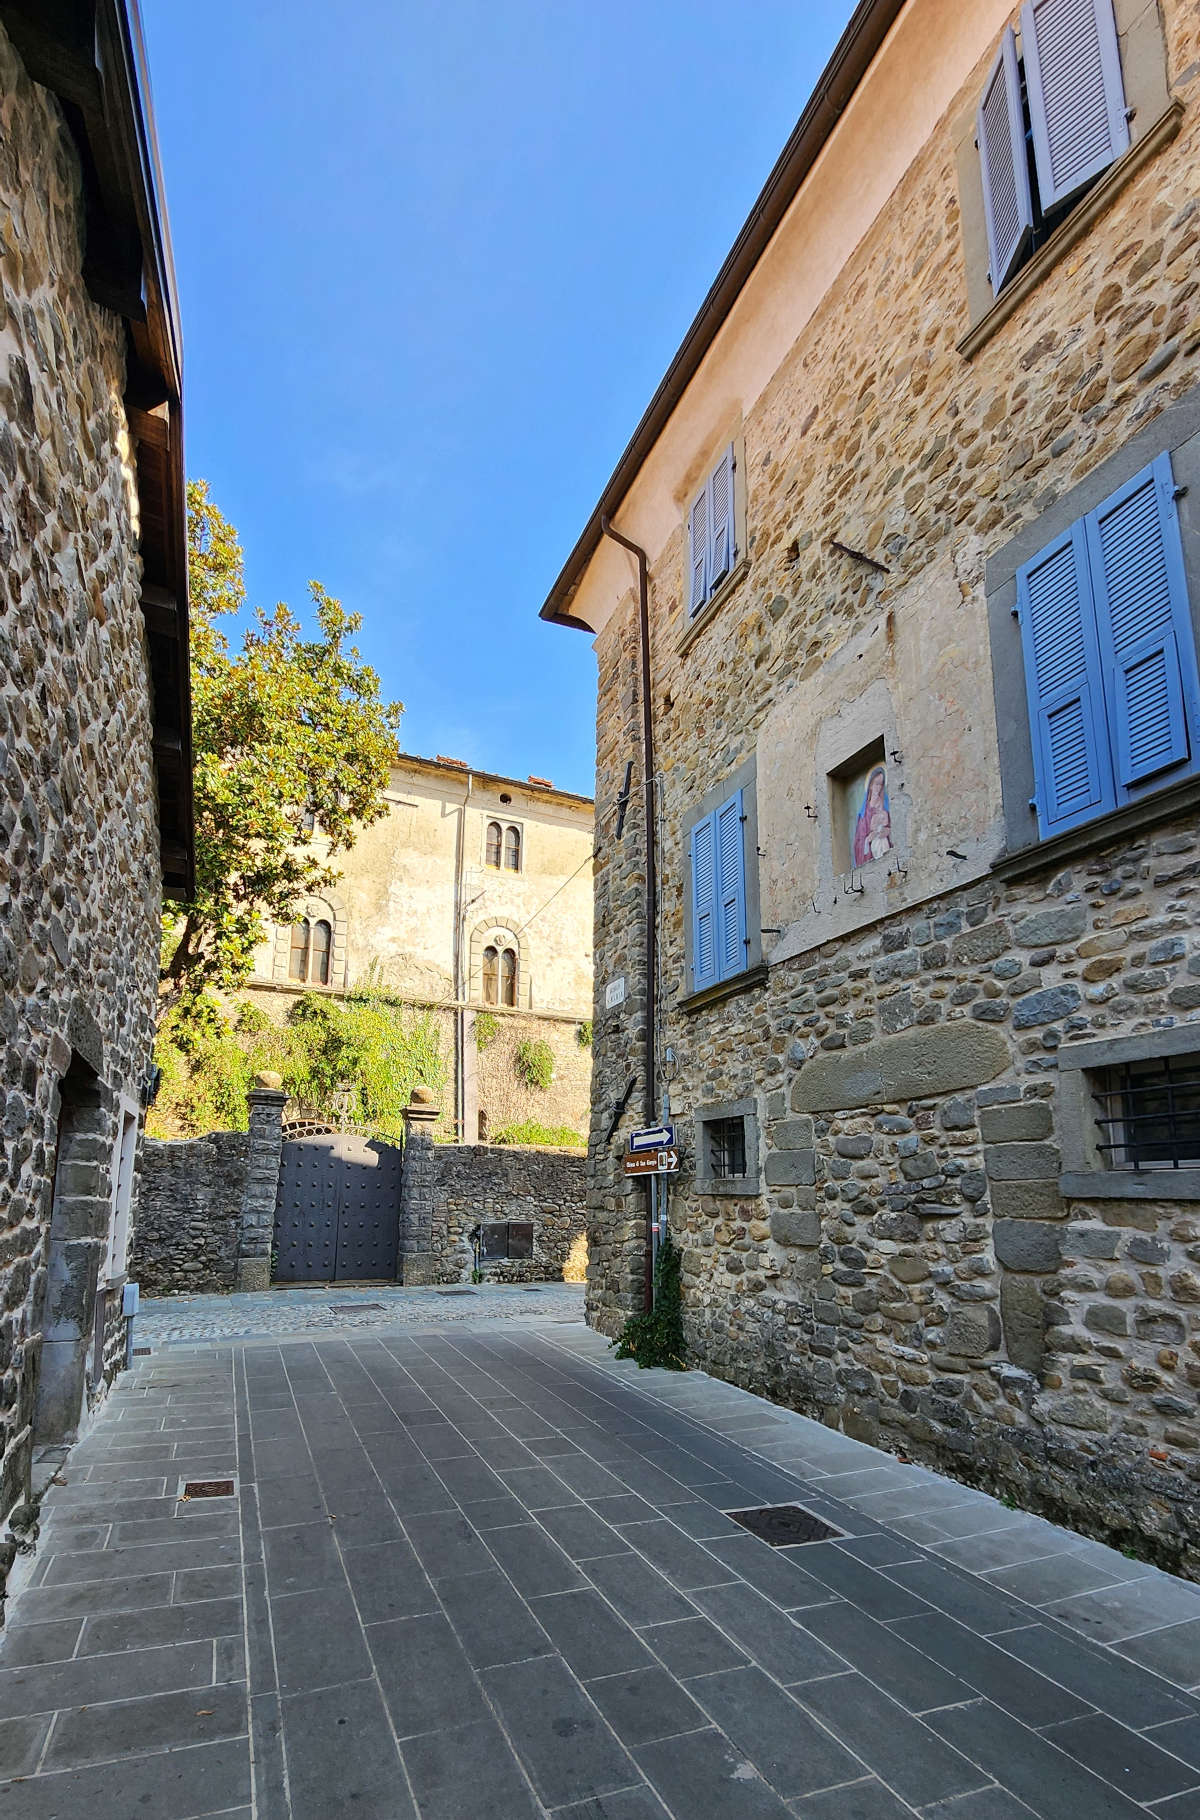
668	1162
652	1137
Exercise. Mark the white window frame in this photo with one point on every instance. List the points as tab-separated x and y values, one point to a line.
123	1167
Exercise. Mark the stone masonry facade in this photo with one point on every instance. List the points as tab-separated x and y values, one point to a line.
909	1265
79	866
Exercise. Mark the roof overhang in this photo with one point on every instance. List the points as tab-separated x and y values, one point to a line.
91	54
869	25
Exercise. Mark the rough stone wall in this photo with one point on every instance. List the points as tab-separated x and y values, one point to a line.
473	1183
909	1270
79	868
507	1099
189	1213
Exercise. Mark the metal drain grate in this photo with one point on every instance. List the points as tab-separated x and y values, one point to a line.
457	1292
354	1307
207	1488
141	1352
782	1525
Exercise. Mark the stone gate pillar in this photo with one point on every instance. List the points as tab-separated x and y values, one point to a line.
418	1186
267	1101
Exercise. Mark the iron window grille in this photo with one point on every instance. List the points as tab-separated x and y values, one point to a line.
726	1140
1149	1113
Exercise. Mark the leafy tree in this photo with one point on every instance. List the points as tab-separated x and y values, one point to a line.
285	729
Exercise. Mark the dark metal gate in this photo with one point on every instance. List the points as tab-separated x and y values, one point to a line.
337	1216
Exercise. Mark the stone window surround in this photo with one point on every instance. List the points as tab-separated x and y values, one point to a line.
745	779
332	910
1085	1175
504	821
1154	121
739	1187
1176	429
481	938
123	1171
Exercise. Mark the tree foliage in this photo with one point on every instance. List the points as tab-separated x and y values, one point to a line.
286	728
376	1048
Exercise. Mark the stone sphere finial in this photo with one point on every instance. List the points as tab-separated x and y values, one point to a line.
421	1096
270	1080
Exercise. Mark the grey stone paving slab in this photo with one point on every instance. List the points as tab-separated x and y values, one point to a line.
983	1667
1123	1757
92	1678
644	1704
589	1635
789	1750
888	1660
492	1621
454	1772
637	1590
317	1639
703	1773
341	1756
1181	1737
693	1646
898	1748
768	1634
1047	1779
21	1742
541	1706
1173	1652
424	1673
863	1800
1130	1609
1099	1677
627	1804
171	1785
26	1644
129	1728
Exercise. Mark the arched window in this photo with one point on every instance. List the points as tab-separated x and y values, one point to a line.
322	945
494	837
310	953
512	849
491	975
298	956
508	976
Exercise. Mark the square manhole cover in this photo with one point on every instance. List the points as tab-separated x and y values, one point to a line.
207	1488
353	1307
784	1524
457	1292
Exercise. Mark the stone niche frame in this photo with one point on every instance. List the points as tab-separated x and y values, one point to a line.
1085	1174
330	909
1176	431
736	1187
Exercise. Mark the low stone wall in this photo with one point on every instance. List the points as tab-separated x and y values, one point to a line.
481	1182
189	1213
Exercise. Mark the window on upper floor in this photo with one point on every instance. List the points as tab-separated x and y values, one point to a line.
310	952
720	943
1051	119
1110	658
712	533
503	846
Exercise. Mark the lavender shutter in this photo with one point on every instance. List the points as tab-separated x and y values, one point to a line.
720	521
704	904
1076	95
1000	132
731	889
698	545
1063	679
1144	623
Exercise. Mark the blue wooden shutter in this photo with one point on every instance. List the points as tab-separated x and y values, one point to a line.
1144	623
1071	762
720	519
698	552
704	904
1000	132
731	889
1076	95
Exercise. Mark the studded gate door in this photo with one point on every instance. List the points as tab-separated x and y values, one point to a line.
337	1215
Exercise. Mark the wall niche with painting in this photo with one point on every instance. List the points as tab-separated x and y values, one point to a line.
861	811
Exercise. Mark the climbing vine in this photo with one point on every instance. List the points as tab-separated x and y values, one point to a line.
487	1024
657	1338
534	1063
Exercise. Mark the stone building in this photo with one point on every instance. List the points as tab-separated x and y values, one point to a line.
913	523
95	804
473	894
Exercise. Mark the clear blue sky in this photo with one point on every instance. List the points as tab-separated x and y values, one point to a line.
433	259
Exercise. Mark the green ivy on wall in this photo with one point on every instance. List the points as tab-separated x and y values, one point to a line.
534	1063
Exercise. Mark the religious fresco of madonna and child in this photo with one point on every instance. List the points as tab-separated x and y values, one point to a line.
871	832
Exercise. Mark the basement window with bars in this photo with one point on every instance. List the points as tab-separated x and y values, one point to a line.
1148	1113
726	1140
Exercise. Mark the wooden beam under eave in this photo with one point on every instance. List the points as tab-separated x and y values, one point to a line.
57	47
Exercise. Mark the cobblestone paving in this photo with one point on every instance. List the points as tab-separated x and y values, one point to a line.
183	1319
489	1573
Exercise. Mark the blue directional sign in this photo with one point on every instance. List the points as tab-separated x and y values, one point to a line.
654	1137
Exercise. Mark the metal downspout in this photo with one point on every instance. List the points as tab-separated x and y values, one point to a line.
460	1016
648	774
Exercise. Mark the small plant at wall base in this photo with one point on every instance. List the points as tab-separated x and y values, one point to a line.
583	1036
530	1134
534	1063
657	1338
